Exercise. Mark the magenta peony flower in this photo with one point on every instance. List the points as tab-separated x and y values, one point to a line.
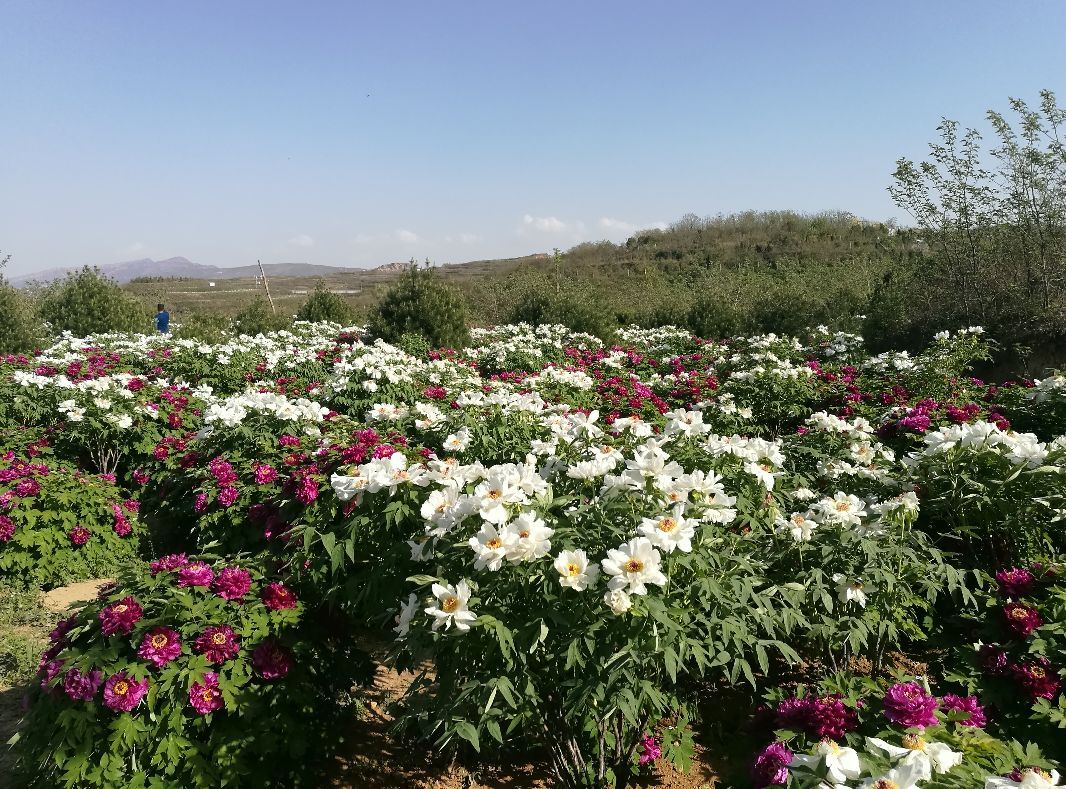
306	490
122	694
970	704
218	644
49	671
222	471
232	583
27	488
140	477
907	704
771	766
649	750
7	528
120	617
61	629
1022	619
265	473
122	527
228	495
1015	582
992	659
1037	678
196	574
160	645
165	564
205	697
82	687
289	441
200	502
819	717
271	660
79	535
277	597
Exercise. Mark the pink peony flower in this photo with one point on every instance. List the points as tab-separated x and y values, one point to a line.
649	750
140	477
232	583
199	503
205	696
122	527
120	617
122	694
771	766
7	528
165	564
27	488
82	687
218	644
79	535
265	473
159	646
289	441
907	704
272	660
307	490
49	671
970	704
1022	619
195	574
228	495
277	597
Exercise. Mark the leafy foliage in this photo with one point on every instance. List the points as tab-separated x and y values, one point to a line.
88	302
420	304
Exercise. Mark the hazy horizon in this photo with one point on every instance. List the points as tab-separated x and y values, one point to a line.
351	135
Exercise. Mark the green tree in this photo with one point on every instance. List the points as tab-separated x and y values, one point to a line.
257	318
89	302
992	220
325	305
19	328
419	303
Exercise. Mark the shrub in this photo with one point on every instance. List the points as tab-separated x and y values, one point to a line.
199	673
58	525
202	327
20	330
257	318
88	302
421	304
325	305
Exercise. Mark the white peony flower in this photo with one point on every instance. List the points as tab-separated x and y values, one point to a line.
491	547
575	570
451	607
852	590
634	564
1031	778
527	538
617	600
404	617
841	763
670	531
925	757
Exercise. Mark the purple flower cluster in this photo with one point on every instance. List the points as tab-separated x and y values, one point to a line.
909	705
818	716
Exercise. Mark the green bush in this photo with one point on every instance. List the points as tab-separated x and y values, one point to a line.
421	304
20	330
205	328
89	302
325	305
196	674
257	318
60	525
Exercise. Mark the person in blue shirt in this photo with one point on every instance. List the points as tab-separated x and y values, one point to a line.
162	318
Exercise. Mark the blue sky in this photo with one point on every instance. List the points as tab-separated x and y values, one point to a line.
358	133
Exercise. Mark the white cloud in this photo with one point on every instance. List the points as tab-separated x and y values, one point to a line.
469	238
134	248
302	240
616	227
543	224
364	238
407	237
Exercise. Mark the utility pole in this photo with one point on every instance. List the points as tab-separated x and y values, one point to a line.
266	287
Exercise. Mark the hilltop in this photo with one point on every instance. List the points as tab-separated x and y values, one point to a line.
179	267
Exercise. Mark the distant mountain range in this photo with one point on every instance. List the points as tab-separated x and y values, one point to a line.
181	267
